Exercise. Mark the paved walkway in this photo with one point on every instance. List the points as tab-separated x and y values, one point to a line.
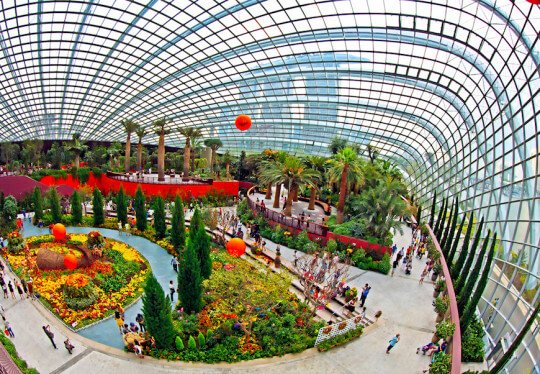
406	308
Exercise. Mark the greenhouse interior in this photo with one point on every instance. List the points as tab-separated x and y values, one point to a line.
247	185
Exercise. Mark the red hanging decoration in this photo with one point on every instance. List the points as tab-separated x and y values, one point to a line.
70	261
243	122
535	2
236	247
59	231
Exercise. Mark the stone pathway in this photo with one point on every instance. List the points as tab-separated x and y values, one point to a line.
405	305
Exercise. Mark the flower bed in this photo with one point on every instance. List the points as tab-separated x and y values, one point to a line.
87	294
249	313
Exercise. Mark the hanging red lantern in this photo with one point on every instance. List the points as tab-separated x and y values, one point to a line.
236	247
59	231
243	122
70	261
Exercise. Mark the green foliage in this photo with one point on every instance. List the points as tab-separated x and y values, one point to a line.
202	340
189	280
445	329
331	246
122	272
432	215
191	343
419	214
9	212
76	208
464	273
121	206
456	268
194	224
159	217
440	364
447	245
441	304
140	209
340	339
202	245
453	243
178	230
157	313
54	204
441	220
83	174
444	234
37	202
97	207
470	308
179	344
12	351
472	344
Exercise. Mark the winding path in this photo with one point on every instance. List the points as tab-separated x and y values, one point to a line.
406	309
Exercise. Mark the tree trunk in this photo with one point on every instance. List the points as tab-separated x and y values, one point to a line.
111	162
312	199
288	205
277	196
139	156
268	195
186	159
128	153
295	192
213	163
227	173
77	160
342	194
161	157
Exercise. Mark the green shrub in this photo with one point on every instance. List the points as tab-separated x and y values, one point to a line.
179	344
340	339
191	343
202	340
445	329
472	344
440	364
10	348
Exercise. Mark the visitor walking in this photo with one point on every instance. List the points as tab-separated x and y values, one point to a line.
172	290
392	342
10	286
50	335
365	293
69	346
19	289
422	276
8	329
174	263
140	320
394	266
119	320
30	285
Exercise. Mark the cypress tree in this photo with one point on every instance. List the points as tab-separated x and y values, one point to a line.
456	269
202	244
462	278
97	207
121	206
189	280
515	344
455	243
432	217
54	204
471	306
466	291
447	229
452	232
441	220
37	200
419	214
76	208
157	313
140	209
195	223
159	217
178	229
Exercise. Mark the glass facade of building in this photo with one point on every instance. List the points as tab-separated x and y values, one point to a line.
448	90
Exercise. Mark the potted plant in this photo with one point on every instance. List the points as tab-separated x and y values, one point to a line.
351	294
444	330
437	269
441	364
440	305
440	286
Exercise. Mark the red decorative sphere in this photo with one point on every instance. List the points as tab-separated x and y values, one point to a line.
236	247
535	2
59	231
70	261
243	122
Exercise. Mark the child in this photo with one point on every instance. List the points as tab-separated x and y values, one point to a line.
422	276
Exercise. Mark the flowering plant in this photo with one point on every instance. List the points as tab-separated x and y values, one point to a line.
15	241
95	240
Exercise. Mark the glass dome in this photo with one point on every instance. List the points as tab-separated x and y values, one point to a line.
448	90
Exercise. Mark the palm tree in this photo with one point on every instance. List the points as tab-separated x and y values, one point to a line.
140	134
214	144
373	153
292	172
189	133
345	167
113	151
337	144
129	126
318	164
159	129
77	146
227	159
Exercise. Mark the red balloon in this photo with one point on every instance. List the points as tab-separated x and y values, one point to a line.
59	231
70	261
236	247
243	122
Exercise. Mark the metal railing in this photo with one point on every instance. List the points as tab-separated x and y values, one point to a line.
169	179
